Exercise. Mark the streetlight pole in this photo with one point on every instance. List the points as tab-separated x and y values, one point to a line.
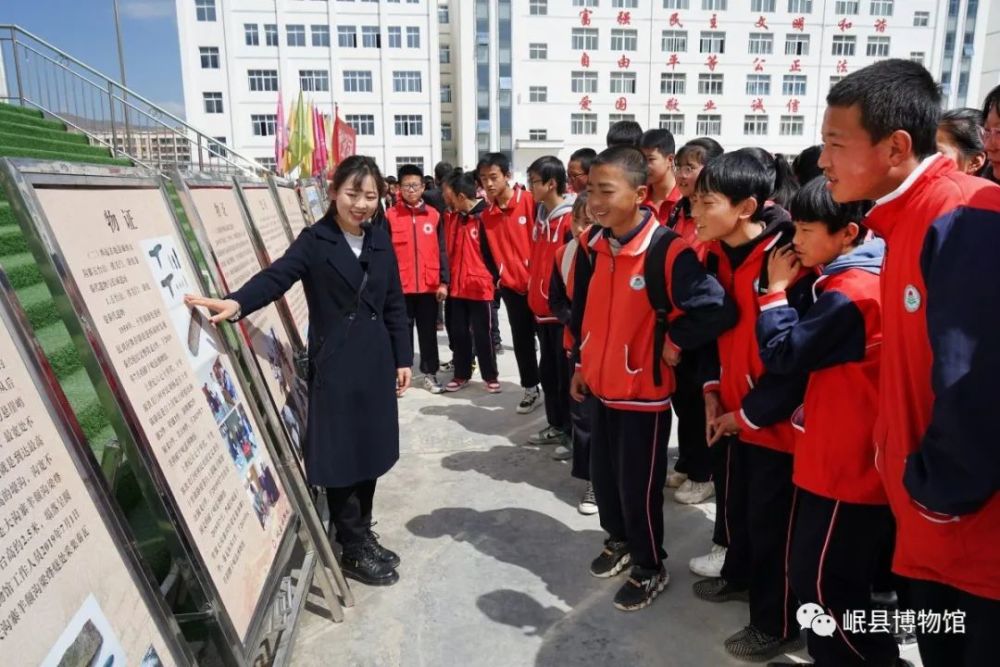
121	69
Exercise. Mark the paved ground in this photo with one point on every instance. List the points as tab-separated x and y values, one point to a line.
495	557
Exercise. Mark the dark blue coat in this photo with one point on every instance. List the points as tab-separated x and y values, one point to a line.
356	343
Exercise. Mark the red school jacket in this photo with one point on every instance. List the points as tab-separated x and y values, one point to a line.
666	207
470	277
680	221
417	236
508	232
551	231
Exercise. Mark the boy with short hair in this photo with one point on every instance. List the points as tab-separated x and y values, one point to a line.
624	359
935	432
418	239
579	167
624	133
508	221
658	146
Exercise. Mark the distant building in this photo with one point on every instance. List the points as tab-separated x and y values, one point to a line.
156	147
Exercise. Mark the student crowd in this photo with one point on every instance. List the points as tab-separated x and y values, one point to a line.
825	332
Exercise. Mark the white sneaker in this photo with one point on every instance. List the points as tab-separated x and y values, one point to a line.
432	385
532	399
692	493
675	479
588	503
709	565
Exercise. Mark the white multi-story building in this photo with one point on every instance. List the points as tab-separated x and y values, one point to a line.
376	60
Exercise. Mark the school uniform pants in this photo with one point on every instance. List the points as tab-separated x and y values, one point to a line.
470	321
495	322
834	559
581	415
351	511
422	311
522	329
628	466
688	403
975	645
759	514
552	370
721	457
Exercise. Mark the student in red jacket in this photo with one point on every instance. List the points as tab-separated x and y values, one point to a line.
472	283
418	239
620	362
658	146
935	433
553	219
508	220
842	519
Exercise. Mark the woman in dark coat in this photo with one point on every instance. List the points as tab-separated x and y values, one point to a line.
359	353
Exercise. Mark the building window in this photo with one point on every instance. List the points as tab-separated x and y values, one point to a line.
619	117
204	10
627	4
396	37
673	83
708	125
917	56
881	8
672	122
844	45
878	46
295	35
370	37
363	123
763	5
538	135
446	93
443	15
357	81
415	160
676	4
262	80
624	40
623	83
538	7
583	82
409	125
674	41
758	84
793	85
271	34
583	123
709	84
800	6
347	36
412	37
209	57
444	54
761	43
213	102
713	5
538	51
792	126
446	134
712	42
755	126
846	6
796	45
268	163
584	3
921	19
538	94
251	35
217	147
314	80
834	80
584	39
407	82
320	35
264	124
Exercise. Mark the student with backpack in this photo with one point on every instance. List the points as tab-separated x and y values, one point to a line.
640	297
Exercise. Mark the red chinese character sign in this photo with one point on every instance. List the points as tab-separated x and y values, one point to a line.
757	105
624	18
792	106
842	67
673	61
585	60
845	25
624	62
880	25
709	106
675	20
585	17
799	23
713	22
711	62
585	103
621	104
796	66
758	64
761	23
672	104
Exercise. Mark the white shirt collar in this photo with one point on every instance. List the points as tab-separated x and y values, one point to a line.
905	185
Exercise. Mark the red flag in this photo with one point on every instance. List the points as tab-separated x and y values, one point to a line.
345	140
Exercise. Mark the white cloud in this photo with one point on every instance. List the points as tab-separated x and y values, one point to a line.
148	9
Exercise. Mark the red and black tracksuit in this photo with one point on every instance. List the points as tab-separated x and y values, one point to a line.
614	322
666	207
418	239
508	232
935	434
842	518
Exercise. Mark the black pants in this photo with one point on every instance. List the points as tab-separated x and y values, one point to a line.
628	466
553	372
495	322
721	457
351	511
422	310
470	321
759	512
834	559
581	415
975	646
522	329
688	403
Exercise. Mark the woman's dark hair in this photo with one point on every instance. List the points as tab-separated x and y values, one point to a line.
354	170
624	133
462	183
965	127
630	160
585	156
550	168
814	203
701	150
498	160
991	103
805	166
737	176
779	171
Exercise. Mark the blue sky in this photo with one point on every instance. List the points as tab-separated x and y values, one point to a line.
85	30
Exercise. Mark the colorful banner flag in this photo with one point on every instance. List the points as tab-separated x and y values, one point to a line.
300	143
345	140
280	137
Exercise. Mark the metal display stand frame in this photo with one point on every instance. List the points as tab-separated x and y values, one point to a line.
277	184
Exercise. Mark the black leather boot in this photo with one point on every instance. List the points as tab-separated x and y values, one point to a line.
361	561
385	555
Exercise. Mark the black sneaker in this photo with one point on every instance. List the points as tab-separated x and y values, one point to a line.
612	560
752	645
385	555
641	589
719	590
360	561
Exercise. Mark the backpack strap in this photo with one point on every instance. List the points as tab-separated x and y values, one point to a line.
661	247
569	252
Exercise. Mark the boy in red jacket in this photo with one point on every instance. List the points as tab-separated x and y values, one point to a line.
418	239
658	146
508	220
620	362
842	519
935	432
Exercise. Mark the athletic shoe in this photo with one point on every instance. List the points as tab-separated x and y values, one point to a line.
588	503
709	565
675	479
455	385
432	385
532	399
612	560
719	590
493	387
641	589
753	645
692	493
549	435
564	452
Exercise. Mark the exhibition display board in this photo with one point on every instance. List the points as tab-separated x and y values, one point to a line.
315	201
292	207
71	589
